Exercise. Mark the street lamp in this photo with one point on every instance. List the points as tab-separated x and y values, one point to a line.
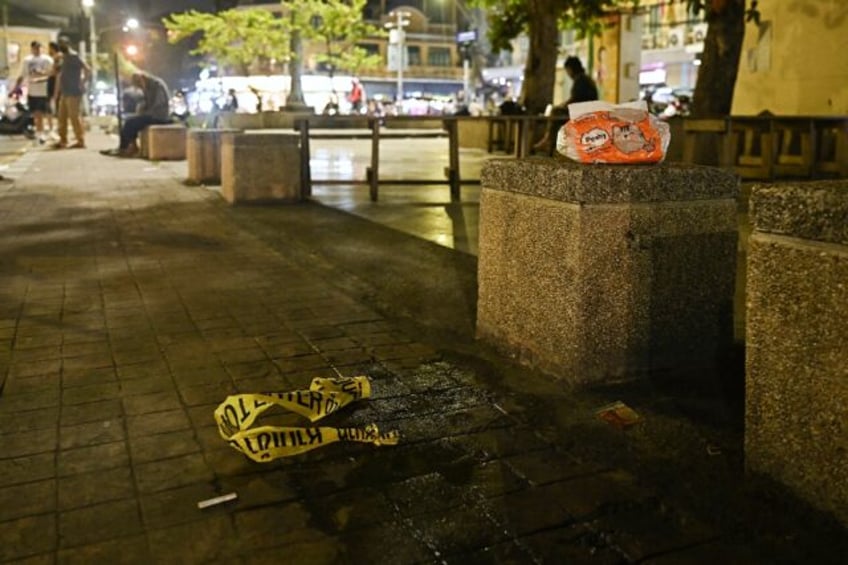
397	38
88	10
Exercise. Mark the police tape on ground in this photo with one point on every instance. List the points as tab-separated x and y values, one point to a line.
238	412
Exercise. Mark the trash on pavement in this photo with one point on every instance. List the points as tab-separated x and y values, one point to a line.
217	500
238	412
618	414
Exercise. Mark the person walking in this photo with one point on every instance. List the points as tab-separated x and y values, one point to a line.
35	72
73	76
153	109
356	97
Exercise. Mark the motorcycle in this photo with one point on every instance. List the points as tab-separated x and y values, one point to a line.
17	120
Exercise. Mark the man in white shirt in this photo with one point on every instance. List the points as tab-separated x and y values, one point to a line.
36	69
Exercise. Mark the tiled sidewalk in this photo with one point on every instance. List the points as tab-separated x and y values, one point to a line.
132	305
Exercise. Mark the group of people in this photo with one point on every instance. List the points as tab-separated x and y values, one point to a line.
56	83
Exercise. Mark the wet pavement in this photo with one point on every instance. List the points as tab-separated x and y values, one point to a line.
132	305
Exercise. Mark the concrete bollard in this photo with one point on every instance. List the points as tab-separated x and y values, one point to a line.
203	151
164	142
797	340
594	271
260	168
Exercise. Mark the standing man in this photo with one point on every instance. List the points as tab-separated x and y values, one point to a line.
73	76
153	109
36	70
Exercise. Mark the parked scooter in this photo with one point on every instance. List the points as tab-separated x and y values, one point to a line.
17	119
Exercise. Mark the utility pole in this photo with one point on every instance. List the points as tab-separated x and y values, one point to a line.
397	37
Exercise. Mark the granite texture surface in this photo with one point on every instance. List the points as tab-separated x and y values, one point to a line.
559	179
796	420
166	142
260	168
592	291
810	210
203	151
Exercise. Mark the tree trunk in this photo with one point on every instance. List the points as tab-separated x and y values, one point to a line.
540	70
720	60
294	101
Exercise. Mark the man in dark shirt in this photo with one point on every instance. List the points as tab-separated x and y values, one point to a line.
153	109
583	89
73	76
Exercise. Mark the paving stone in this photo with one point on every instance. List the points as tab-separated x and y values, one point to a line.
127	550
493	479
206	394
99	523
260	528
44	354
528	510
19	443
93	458
30	385
27	536
26	469
171	473
302	363
506	552
27	499
45	398
141	404
460	530
91	433
88	377
384	543
90	393
591	496
710	553
147	385
317	553
162	445
43	559
422	494
95	348
549	466
179	506
268	486
571	544
91	412
86	489
142	370
88	362
157	423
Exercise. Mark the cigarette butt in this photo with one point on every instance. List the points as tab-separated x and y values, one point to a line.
217	500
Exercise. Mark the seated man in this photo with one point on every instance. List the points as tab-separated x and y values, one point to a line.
153	109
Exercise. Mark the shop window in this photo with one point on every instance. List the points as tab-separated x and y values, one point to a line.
413	52
439	57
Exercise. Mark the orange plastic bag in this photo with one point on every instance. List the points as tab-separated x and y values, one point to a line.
602	133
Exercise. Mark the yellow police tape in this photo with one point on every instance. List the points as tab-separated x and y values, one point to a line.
238	412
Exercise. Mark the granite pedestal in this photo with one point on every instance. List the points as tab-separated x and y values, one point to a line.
796	419
260	168
591	272
165	142
203	151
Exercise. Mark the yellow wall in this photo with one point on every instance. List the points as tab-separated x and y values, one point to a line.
802	69
19	39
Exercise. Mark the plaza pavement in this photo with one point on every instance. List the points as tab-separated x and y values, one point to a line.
131	305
